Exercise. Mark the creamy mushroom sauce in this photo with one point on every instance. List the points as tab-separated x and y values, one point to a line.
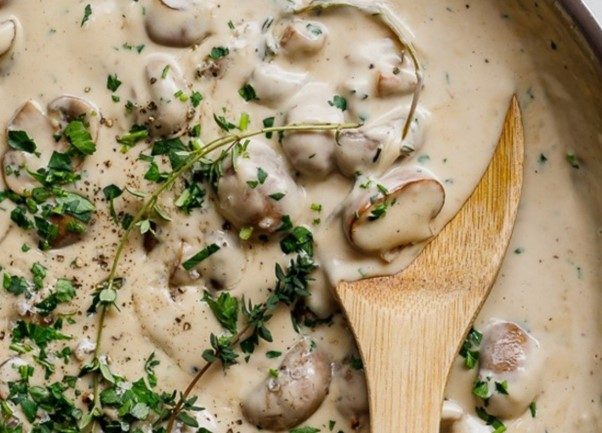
542	323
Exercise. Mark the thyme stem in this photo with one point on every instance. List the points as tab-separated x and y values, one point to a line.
192	159
389	18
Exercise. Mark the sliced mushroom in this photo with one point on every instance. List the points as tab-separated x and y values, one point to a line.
223	270
274	84
67	108
390	69
285	401
351	394
40	129
257	190
393	211
163	113
374	147
312	153
510	357
451	413
8	36
179	23
303	37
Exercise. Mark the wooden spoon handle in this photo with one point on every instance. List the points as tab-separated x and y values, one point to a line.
410	326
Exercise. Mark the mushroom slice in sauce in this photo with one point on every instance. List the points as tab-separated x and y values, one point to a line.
351	394
273	83
163	113
15	164
8	35
67	108
312	153
257	190
285	401
510	355
303	37
179	23
391	70
393	211
376	146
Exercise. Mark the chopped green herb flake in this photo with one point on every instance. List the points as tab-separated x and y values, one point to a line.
219	52
87	13
338	102
200	256
113	83
247	92
19	140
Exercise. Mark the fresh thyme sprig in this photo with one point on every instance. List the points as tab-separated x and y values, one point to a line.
390	19
290	288
108	294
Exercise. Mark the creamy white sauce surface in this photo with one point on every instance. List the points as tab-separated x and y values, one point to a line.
369	198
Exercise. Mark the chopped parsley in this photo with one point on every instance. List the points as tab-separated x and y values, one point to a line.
111	192
87	14
113	83
469	350
19	140
573	160
338	102
247	92
219	52
196	98
200	256
79	137
225	309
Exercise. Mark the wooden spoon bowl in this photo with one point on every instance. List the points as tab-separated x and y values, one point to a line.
409	327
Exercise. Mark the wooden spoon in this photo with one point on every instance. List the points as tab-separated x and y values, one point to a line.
409	327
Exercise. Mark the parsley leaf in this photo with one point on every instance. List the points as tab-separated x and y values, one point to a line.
19	140
80	138
225	309
111	192
15	285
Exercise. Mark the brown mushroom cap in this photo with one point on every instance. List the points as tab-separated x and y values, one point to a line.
510	354
244	201
393	211
283	402
178	23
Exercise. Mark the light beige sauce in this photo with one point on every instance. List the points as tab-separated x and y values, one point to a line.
475	56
